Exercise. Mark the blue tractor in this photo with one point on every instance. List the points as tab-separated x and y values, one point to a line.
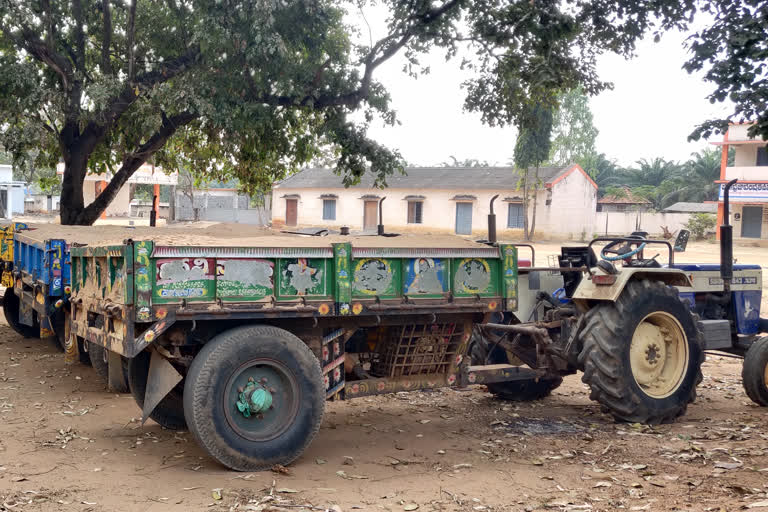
637	329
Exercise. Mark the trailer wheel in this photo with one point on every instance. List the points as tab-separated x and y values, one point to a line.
169	413
754	372
516	390
99	361
254	397
11	311
642	354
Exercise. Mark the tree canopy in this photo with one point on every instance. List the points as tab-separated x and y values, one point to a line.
573	130
253	90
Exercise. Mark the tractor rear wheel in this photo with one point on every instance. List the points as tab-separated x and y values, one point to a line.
11	310
254	397
642	355
754	373
483	353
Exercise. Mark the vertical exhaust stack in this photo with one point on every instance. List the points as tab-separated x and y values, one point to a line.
492	222
381	217
726	241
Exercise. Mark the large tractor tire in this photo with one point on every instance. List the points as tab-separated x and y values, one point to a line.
483	353
754	373
642	355
254	397
11	310
169	413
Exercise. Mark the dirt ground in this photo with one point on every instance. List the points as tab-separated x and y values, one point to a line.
66	444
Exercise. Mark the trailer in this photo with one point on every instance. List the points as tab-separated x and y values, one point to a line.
242	338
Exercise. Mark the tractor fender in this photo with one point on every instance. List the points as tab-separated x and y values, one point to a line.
588	292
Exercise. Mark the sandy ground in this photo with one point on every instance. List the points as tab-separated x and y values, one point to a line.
66	444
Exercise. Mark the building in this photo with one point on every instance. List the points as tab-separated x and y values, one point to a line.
683	207
749	197
623	202
11	193
440	199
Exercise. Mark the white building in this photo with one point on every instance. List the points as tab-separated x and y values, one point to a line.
440	199
749	197
11	192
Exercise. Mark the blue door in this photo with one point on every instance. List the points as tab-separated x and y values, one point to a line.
751	221
463	218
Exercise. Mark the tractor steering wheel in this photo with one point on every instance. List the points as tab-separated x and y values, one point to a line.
621	253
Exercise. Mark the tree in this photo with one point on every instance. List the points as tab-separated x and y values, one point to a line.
732	51
467	162
604	172
651	173
573	131
253	90
700	174
531	150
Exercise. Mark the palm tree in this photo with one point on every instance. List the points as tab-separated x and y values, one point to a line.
701	172
652	173
604	172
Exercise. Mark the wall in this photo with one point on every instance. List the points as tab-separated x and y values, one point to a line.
570	214
624	223
737	208
120	205
218	206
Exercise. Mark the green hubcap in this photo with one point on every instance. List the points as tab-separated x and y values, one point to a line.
261	399
253	399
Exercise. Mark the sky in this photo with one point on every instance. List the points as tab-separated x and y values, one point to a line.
652	109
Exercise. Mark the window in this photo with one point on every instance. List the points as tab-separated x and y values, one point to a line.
515	217
762	156
414	212
329	209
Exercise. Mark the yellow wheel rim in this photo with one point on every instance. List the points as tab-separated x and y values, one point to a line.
659	354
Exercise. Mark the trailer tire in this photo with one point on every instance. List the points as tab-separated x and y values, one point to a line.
516	390
217	378
11	311
642	355
754	372
169	413
98	358
82	353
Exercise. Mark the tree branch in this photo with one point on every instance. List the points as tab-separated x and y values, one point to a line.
130	39
106	40
79	57
132	162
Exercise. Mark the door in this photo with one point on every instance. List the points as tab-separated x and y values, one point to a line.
370	214
463	218
291	211
751	221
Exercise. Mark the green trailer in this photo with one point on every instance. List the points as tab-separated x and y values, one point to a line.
243	339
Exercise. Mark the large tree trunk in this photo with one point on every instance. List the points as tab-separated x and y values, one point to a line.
72	204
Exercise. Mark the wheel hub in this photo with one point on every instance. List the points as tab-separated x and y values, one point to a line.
658	354
254	398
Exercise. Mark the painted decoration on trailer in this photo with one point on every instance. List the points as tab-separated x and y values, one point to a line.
425	276
245	278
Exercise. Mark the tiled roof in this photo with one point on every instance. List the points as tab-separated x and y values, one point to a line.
627	198
683	207
451	178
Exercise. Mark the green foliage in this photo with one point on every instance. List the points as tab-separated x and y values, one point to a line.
49	183
534	137
603	171
252	91
617	192
467	162
731	50
574	132
699	224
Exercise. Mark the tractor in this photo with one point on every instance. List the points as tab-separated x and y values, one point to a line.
637	328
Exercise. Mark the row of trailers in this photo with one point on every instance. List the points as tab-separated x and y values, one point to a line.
241	337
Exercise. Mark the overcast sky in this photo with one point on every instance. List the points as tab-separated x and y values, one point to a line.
653	107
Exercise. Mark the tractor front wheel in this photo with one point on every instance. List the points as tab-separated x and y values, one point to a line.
642	355
754	373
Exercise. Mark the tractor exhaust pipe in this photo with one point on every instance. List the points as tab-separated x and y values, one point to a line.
726	241
380	230
492	223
